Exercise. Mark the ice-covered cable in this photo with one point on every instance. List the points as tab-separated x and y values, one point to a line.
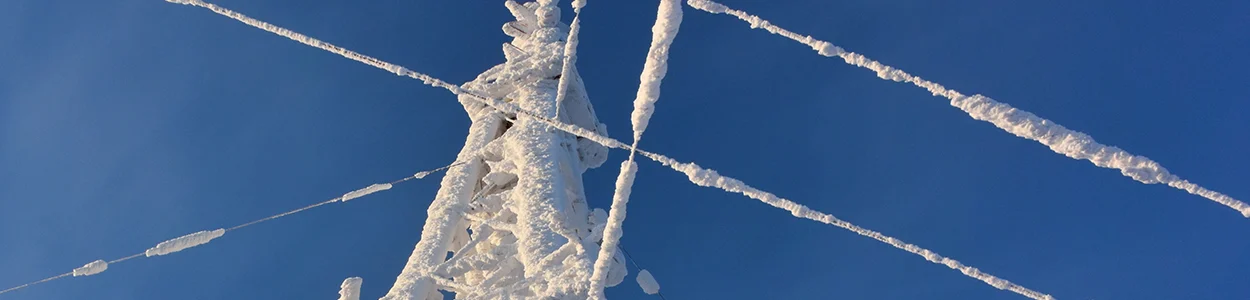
203	237
710	178
350	288
667	22
1021	123
36	282
398	70
612	232
428	80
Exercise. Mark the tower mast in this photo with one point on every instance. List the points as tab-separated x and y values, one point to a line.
512	222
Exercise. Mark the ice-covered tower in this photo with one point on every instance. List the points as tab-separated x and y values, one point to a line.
512	222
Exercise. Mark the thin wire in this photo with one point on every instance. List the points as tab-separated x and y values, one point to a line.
37	282
635	263
283	214
66	274
419	175
128	258
336	199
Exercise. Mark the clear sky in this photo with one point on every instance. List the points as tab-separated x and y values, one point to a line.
126	123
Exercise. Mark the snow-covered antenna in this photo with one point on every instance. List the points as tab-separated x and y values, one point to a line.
516	220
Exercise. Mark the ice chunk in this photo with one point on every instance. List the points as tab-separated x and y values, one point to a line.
365	191
184	242
599	216
350	289
499	178
648	283
92	268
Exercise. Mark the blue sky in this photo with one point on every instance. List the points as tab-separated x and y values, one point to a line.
126	123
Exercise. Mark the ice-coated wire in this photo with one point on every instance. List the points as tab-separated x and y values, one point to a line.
418	175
